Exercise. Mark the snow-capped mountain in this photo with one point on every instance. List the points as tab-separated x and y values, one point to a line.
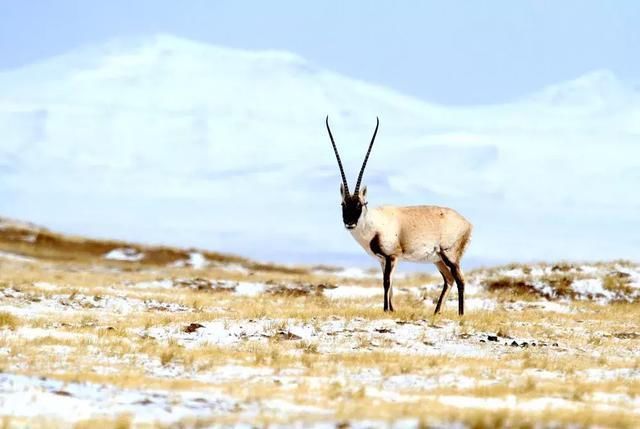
168	140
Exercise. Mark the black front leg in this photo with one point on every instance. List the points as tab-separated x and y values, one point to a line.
460	285
386	281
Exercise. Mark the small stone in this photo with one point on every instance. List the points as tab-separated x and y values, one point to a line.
525	344
627	335
286	335
492	338
482	341
193	327
514	344
555	344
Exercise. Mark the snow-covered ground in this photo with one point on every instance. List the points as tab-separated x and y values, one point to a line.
42	397
161	139
603	283
176	345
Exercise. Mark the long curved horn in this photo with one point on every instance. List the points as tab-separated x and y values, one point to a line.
335	150
364	164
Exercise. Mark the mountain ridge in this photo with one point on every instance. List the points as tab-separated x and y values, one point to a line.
235	156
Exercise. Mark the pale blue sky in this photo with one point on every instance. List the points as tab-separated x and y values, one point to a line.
453	52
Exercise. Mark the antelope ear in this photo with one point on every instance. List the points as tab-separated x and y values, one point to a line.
363	194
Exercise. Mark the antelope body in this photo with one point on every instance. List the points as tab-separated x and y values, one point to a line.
438	235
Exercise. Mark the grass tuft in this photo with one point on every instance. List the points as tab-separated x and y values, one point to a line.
8	321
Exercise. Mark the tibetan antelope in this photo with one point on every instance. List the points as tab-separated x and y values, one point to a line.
417	233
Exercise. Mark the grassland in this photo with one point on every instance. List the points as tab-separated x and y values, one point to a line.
188	338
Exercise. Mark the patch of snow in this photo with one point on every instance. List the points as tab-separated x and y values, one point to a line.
591	288
471	288
514	272
603	374
238	373
153	284
10	292
35	333
589	269
46	286
544	289
625	400
543	374
553	306
218	332
353	273
291	408
634	275
124	254
480	304
250	289
305	332
412	381
509	401
540	271
171	307
23	396
39	305
390	395
556	307
196	261
353	292
16	257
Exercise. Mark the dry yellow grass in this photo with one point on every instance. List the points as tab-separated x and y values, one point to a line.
88	322
30	240
8	321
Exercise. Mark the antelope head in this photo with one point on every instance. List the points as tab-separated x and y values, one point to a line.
352	204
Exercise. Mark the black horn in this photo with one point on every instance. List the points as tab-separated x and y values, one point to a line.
366	158
335	150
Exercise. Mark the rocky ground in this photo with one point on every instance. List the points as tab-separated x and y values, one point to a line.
109	334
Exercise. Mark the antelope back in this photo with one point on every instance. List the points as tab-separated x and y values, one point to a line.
424	228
